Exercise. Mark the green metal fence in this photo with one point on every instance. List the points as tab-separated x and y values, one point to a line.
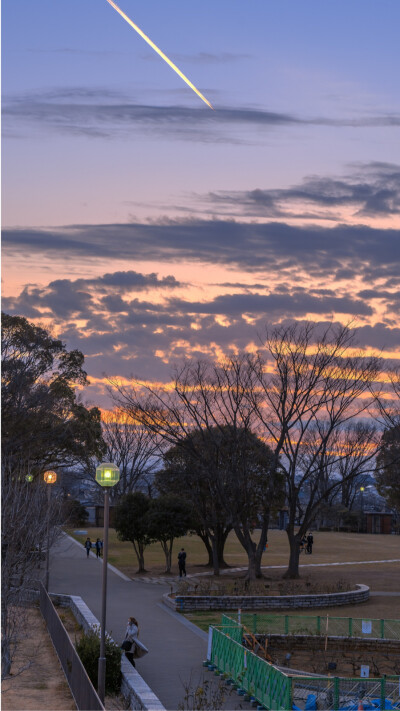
268	685
320	625
277	691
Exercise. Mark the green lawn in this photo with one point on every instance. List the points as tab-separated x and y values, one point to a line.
328	548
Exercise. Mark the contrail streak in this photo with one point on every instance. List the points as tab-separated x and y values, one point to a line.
156	49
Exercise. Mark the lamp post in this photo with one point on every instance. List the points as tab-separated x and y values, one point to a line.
362	489
50	478
107	475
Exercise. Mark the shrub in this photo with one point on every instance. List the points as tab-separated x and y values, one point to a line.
88	648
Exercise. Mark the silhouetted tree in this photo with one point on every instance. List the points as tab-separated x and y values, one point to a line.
387	472
43	422
310	395
130	522
168	517
208	415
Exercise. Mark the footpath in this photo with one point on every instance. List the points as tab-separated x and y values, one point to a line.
177	648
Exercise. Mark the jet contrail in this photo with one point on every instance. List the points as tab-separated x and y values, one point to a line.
156	49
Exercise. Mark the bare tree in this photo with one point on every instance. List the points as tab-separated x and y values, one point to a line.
387	400
209	415
309	390
133	448
26	516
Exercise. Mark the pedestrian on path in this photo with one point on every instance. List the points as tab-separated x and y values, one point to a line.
182	562
88	545
310	541
137	648
98	548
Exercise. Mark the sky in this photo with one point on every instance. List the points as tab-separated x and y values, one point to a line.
144	228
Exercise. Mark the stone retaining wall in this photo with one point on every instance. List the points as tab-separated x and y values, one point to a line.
188	603
133	687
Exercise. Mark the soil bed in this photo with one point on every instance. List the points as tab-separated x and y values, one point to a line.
42	685
307	653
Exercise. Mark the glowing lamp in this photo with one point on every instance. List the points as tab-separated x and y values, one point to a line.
107	474
50	477
362	488
29	477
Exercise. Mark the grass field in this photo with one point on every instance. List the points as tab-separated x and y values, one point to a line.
329	547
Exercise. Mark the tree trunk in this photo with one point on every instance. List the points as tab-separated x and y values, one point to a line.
221	536
250	547
206	540
262	544
167	553
215	555
221	540
293	568
139	550
169	562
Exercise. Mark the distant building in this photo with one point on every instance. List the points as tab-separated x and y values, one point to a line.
378	522
96	514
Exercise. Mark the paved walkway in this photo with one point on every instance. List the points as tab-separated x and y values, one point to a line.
160	580
177	647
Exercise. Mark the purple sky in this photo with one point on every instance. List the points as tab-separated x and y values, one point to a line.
144	227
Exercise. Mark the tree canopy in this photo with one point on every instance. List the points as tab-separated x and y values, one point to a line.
43	422
169	517
387	473
130	522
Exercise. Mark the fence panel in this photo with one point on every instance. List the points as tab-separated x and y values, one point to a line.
317	625
81	687
339	694
278	691
268	685
232	628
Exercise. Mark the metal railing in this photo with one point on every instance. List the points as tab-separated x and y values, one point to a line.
365	628
278	691
265	683
82	689
336	693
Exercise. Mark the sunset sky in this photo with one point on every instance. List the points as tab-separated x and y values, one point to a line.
143	227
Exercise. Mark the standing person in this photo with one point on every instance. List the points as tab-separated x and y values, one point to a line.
137	648
182	562
98	548
310	541
88	545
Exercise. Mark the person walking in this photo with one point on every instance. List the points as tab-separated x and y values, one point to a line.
88	545
98	548
182	562
132	645
310	541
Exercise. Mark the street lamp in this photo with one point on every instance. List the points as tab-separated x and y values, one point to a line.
107	475
362	489
50	478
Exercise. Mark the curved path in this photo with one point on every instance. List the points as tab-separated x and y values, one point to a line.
177	648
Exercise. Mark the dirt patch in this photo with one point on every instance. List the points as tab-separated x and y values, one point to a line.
236	584
37	680
341	657
41	684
